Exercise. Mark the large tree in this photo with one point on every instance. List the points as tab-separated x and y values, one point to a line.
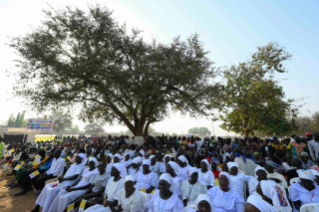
62	121
252	100
88	59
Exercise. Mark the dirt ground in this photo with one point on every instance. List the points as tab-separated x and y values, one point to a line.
9	203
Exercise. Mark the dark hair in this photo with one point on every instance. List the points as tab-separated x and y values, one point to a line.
316	136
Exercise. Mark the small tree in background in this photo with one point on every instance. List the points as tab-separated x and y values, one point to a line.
93	128
199	130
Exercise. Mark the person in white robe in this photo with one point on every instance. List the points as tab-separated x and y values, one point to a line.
127	160
114	185
173	170
271	193
166	159
224	198
117	158
255	203
135	166
146	179
109	159
155	165
164	200
205	175
304	192
183	167
71	193
51	190
192	188
238	179
202	204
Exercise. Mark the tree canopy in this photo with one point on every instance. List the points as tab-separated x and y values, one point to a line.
88	59
93	128
252	100
199	130
62	121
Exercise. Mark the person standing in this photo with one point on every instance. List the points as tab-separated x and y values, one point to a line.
296	146
313	146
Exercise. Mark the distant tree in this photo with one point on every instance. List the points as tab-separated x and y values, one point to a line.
11	121
93	128
314	124
89	58
252	100
19	121
151	131
75	128
199	130
62	120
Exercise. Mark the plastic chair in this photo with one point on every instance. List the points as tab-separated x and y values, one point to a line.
294	180
311	207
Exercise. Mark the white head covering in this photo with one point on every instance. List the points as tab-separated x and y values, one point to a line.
306	174
231	164
147	162
203	197
183	159
120	168
118	156
110	154
96	162
258	168
261	204
167	177
231	184
137	160
151	157
167	155
129	178
273	192
191	170
142	152
207	163
83	156
126	154
174	167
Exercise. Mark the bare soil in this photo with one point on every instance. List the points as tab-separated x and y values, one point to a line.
9	203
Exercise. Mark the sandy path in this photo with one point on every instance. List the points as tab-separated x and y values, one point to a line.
9	203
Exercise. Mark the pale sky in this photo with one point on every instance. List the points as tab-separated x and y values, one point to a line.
230	30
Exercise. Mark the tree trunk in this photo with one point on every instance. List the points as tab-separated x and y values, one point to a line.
138	129
246	133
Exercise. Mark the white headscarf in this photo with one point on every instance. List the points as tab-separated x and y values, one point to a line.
306	174
203	197
118	156
137	160
120	168
167	177
151	157
192	170
167	155
261	204
258	168
83	156
231	184
96	162
110	154
231	164
126	154
147	162
142	152
183	159
129	178
174	167
273	192
207	163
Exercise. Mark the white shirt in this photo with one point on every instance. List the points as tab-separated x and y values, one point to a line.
280	177
57	167
133	203
239	181
190	192
206	178
155	168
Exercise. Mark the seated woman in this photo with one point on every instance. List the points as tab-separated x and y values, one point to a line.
155	165
238	179
173	171
271	193
111	193
192	188
205	176
146	179
272	175
129	200
127	160
71	193
51	190
224	198
166	159
165	200
134	167
304	192
117	158
244	159
202	204
183	167
256	204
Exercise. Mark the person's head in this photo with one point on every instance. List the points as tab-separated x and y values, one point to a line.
57	154
78	159
170	170
297	138
92	165
214	166
270	166
261	174
275	140
116	159
233	171
309	136
108	158
295	162
153	160
224	167
146	166
307	179
204	165
42	153
101	167
114	172
203	203
127	157
164	183
288	158
304	157
129	185
316	137
223	181
167	158
256	156
250	207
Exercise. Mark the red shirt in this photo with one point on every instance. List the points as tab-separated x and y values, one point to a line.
216	174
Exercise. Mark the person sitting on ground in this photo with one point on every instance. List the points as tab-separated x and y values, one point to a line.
183	167
146	179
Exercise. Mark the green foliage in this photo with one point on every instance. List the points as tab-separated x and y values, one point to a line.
93	128
112	74
11	121
199	130
19	121
75	129
62	121
151	131
252	100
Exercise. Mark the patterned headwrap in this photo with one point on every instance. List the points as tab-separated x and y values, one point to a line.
272	164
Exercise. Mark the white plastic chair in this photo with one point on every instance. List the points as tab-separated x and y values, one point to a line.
294	180
311	207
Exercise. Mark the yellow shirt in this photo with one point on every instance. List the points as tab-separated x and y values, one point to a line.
42	161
